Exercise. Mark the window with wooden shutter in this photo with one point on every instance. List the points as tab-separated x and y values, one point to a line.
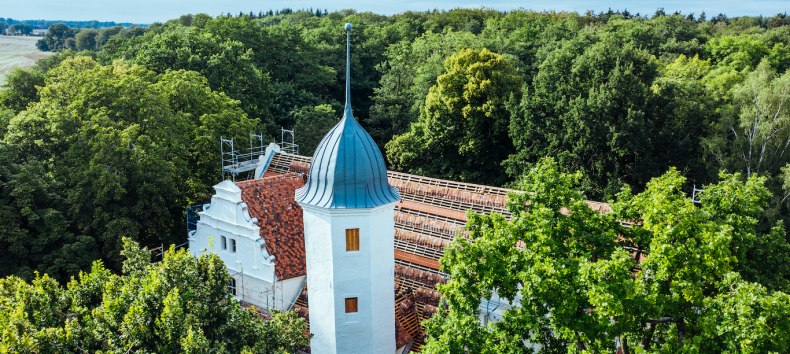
352	239
351	305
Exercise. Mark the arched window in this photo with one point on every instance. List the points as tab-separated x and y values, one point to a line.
224	243
233	245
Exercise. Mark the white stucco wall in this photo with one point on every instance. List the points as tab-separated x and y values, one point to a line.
227	215
333	274
250	265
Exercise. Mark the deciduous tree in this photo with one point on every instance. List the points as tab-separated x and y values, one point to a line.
575	279
180	304
462	130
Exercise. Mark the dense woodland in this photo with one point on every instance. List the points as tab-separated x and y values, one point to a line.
117	133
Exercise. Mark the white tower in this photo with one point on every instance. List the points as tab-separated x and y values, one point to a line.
349	240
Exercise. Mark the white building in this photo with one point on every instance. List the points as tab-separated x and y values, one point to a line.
227	228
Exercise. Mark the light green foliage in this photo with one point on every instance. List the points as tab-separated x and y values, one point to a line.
571	272
752	137
464	121
120	151
312	123
180	304
746	318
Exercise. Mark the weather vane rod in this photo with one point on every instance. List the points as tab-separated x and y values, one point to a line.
348	66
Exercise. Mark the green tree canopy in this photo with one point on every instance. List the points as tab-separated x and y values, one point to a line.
596	106
580	281
462	130
227	65
181	304
55	38
312	124
86	39
753	136
120	151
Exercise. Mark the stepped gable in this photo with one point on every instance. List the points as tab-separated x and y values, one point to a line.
271	201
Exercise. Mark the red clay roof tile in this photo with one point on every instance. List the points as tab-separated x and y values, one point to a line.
271	201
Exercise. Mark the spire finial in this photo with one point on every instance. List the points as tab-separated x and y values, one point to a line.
348	67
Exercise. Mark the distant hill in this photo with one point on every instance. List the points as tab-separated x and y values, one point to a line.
44	24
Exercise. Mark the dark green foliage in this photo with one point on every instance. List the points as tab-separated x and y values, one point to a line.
226	64
19	29
57	38
87	39
180	304
312	123
20	89
117	150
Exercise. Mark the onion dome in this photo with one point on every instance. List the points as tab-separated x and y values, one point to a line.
347	170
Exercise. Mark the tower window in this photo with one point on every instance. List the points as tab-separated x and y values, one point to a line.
351	305
352	239
233	245
232	286
224	243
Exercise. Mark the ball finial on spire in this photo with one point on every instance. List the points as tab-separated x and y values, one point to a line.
348	26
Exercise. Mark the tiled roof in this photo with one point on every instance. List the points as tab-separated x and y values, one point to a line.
418	260
434	210
271	201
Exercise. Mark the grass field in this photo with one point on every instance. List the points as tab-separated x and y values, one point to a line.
18	51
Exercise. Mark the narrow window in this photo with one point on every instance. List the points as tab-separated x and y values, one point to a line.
352	239
224	243
232	286
233	245
351	305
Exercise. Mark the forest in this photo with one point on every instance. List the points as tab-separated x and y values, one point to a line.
117	133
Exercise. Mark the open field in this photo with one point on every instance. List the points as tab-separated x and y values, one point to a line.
18	51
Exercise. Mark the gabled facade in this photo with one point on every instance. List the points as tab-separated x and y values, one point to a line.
229	227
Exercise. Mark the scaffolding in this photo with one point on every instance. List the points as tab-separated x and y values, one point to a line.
260	293
288	146
695	195
240	161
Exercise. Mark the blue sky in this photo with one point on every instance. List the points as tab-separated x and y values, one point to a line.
146	11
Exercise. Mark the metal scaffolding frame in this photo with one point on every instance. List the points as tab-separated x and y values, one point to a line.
265	299
240	163
288	146
235	161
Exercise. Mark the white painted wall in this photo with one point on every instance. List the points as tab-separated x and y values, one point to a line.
262	294
227	216
333	274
